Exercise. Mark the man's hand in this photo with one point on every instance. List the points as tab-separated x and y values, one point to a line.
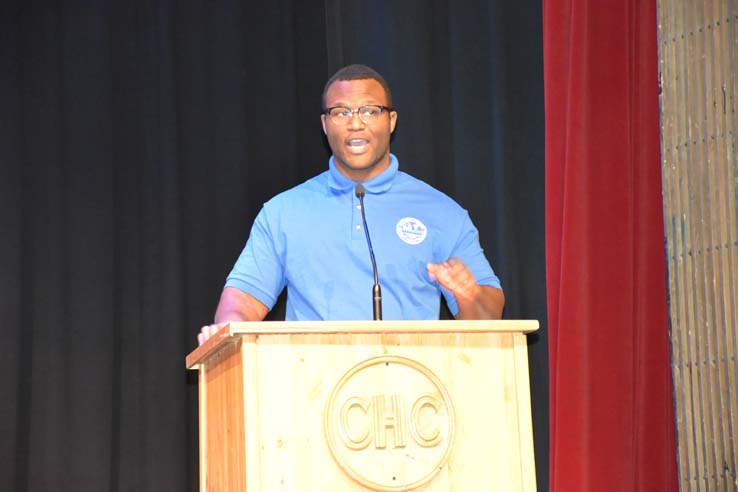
456	277
475	301
234	305
208	331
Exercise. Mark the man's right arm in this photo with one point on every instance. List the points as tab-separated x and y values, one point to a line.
234	305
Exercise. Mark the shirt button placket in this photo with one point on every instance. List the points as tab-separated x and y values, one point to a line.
356	229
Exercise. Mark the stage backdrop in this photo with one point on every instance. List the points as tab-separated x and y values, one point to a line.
138	141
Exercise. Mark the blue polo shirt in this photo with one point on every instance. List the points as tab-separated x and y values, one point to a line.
310	239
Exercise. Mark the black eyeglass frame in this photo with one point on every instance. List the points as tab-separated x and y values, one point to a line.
382	109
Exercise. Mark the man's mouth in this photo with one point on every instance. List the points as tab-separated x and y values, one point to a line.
357	144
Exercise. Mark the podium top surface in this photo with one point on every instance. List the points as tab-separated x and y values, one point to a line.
257	328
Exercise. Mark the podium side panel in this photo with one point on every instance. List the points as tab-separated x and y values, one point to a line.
202	428
222	454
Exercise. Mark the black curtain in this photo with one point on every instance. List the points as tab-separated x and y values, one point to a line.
138	140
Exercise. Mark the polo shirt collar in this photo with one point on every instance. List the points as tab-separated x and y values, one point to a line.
378	184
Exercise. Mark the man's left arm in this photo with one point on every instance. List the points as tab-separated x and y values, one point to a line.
474	301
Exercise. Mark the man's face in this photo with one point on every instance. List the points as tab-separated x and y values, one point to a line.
360	150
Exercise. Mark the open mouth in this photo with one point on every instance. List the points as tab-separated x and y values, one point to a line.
357	144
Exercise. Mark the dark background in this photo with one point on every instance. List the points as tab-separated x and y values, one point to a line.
138	140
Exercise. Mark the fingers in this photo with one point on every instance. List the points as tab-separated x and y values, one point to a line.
450	270
208	331
454	275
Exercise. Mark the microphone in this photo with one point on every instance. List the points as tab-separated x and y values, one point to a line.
376	290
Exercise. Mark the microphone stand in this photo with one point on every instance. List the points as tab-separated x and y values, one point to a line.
376	289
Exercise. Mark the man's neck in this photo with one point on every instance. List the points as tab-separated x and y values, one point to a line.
363	175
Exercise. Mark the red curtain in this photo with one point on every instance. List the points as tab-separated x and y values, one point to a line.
612	423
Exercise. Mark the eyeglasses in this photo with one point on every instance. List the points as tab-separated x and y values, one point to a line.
368	114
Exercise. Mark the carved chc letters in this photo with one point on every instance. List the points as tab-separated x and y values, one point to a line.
389	423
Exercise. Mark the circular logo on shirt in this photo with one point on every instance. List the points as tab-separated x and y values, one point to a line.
411	230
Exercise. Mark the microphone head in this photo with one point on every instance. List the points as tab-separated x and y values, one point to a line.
359	191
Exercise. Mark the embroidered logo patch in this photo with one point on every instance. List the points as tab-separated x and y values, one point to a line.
411	230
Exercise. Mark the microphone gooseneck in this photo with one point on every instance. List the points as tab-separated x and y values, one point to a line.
376	290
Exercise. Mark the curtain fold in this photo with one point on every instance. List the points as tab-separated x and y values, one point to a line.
611	416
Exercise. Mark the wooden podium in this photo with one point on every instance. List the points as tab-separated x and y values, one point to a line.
349	406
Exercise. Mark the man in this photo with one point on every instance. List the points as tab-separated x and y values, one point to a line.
310	239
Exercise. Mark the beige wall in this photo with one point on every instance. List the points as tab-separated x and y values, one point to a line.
698	54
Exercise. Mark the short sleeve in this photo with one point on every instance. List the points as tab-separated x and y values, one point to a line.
468	249
259	270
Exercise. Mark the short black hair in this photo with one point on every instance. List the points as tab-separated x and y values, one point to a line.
358	72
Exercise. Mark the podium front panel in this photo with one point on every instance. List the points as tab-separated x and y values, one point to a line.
360	412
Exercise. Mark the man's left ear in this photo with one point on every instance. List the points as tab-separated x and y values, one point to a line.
393	120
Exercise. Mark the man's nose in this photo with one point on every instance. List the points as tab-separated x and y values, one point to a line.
355	121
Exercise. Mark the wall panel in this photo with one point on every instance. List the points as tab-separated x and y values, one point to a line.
698	44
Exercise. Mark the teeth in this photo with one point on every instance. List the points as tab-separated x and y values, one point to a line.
357	142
